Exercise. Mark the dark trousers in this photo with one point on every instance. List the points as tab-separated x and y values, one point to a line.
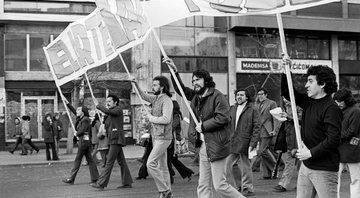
268	159
31	144
84	150
115	153
143	173
180	167
103	154
54	154
18	141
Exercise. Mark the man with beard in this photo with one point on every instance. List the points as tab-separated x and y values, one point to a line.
161	133
116	137
212	134
245	128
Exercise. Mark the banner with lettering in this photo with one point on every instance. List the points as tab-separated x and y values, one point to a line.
96	39
117	25
162	12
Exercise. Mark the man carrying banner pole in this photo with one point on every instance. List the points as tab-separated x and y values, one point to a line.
320	131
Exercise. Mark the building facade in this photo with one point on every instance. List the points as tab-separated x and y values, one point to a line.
240	52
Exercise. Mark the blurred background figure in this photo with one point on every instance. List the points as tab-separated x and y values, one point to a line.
49	137
25	128
17	134
95	125
58	126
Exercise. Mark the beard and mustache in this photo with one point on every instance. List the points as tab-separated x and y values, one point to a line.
199	91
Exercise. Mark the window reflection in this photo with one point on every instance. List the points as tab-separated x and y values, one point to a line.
347	50
15	52
177	40
210	43
49	7
37	56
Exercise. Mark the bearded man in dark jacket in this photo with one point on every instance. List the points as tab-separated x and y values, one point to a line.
211	134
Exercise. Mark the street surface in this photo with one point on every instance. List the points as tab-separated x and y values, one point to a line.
38	181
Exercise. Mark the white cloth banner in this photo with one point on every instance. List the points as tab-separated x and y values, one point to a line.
117	25
96	39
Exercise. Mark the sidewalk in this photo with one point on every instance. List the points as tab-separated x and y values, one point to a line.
8	159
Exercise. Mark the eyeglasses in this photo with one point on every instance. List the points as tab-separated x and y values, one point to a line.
260	94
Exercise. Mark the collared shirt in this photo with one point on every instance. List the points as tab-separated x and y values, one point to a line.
239	109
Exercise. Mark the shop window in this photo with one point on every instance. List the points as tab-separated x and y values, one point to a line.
247	47
210	43
318	49
15	52
347	50
13	110
268	45
297	47
351	82
49	7
38	60
190	64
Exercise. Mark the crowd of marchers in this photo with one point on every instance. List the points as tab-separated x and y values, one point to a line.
230	141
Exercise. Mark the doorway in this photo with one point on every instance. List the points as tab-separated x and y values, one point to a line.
37	107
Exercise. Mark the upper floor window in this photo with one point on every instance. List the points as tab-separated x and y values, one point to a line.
49	7
24	52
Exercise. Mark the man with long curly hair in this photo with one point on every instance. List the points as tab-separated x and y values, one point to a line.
320	133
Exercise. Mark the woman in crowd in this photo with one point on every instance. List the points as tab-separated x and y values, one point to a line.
49	137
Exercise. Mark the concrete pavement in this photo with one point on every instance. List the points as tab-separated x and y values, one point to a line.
8	159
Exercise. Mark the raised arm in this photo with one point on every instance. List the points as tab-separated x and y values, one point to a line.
189	93
113	111
145	96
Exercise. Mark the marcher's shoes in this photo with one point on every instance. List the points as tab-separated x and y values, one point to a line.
247	193
37	151
166	194
31	152
23	154
279	188
140	178
125	186
97	186
68	181
12	152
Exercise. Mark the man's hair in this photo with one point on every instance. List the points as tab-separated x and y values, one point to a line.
164	82
85	110
247	94
262	89
114	98
201	73
346	96
324	75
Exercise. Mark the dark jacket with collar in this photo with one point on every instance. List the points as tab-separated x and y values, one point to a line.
350	128
213	111
83	127
114	124
267	122
246	133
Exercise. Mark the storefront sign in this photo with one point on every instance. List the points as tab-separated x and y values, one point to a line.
257	65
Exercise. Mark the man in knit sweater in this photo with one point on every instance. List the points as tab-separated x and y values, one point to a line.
320	133
161	133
